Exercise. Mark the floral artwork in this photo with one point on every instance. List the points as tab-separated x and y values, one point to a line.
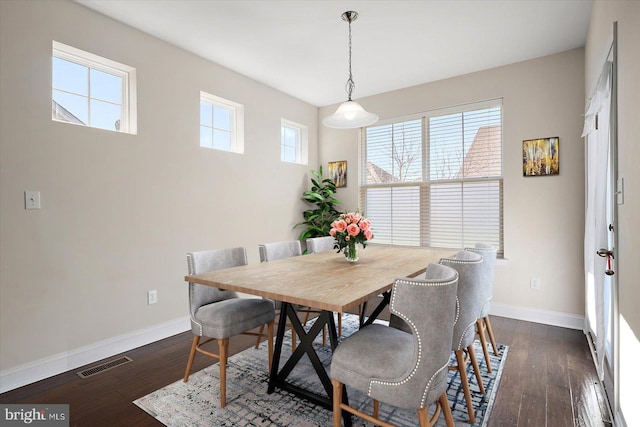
349	229
541	157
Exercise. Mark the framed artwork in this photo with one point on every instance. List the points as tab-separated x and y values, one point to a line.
541	157
338	173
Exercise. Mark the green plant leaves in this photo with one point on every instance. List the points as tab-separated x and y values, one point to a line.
318	220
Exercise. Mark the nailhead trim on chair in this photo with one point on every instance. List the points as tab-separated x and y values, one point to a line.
191	269
457	311
415	333
465	333
460	261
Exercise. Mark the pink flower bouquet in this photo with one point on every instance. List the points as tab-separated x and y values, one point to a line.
351	228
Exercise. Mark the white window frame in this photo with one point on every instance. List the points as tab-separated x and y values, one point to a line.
302	141
129	112
425	183
237	120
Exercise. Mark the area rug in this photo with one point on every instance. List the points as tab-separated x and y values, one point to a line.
196	404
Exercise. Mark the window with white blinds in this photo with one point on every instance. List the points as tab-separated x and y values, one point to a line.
435	179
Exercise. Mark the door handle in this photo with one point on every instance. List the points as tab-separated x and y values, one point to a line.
606	253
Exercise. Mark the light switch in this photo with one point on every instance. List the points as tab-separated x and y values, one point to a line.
32	200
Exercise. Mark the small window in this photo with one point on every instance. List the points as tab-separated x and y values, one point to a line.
221	124
89	90
293	142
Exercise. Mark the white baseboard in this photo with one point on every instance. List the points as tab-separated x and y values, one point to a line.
44	368
554	318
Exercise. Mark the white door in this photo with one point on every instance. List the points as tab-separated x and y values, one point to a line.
601	305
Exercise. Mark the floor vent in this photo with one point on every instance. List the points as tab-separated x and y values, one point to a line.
104	367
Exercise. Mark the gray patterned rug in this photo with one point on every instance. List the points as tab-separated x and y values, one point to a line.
196	403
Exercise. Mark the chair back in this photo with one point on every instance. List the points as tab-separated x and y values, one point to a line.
279	250
488	254
320	244
469	268
204	261
428	307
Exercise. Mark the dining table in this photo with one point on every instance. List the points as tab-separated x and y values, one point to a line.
327	282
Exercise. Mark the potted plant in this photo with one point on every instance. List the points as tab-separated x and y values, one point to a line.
317	221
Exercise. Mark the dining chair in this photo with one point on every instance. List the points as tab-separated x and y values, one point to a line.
407	369
324	244
321	244
483	325
279	250
218	314
469	268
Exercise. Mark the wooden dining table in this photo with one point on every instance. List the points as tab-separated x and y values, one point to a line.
327	282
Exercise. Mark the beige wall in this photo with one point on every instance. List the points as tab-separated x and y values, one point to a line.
543	216
119	212
627	14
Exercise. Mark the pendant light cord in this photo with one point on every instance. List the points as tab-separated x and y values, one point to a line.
350	83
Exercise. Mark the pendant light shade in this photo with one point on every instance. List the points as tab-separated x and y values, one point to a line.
350	114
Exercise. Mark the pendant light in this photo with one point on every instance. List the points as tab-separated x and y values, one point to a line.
350	114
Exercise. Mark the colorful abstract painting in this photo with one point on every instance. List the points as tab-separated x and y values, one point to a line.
541	157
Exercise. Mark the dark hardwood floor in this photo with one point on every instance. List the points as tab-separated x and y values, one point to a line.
549	380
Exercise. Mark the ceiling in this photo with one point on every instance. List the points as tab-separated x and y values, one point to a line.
300	47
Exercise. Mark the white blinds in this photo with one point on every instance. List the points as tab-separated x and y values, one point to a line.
436	180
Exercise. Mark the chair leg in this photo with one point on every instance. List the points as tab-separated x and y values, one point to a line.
491	336
446	410
483	341
260	336
376	408
339	324
337	400
223	345
192	354
423	417
270	343
465	384
476	368
293	339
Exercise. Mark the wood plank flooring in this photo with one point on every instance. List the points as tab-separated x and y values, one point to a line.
549	380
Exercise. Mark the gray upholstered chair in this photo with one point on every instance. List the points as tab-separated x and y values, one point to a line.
275	251
469	268
483	325
321	244
404	369
218	315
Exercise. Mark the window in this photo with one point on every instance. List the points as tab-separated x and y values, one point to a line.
221	124
435	179
92	91
293	142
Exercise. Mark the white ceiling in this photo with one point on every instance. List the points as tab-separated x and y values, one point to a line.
301	46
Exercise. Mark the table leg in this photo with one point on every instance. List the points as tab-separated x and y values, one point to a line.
305	346
386	299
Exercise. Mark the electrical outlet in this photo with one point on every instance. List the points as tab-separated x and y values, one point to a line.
535	283
152	297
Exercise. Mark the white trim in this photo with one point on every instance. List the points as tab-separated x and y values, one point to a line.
237	119
553	318
302	146
62	362
129	106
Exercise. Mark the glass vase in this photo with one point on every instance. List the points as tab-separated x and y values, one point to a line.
350	252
